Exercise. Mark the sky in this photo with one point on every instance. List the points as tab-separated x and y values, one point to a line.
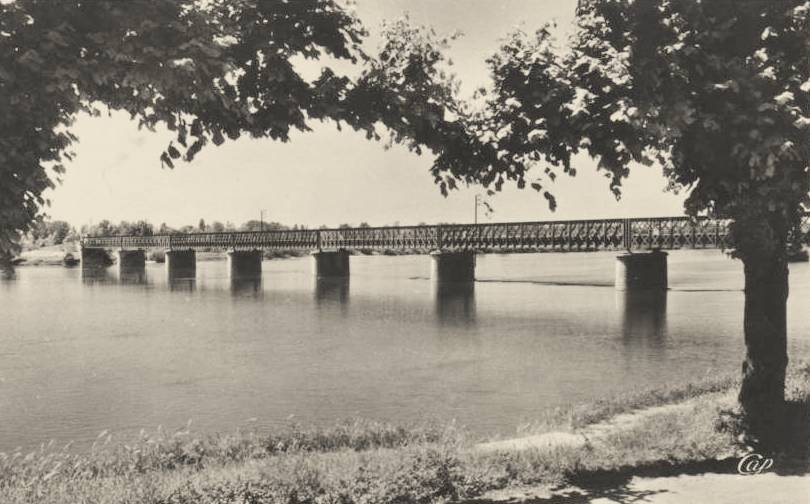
327	177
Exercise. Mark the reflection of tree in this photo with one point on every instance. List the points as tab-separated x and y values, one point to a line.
6	268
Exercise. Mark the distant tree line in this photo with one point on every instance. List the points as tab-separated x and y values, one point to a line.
145	228
49	232
55	232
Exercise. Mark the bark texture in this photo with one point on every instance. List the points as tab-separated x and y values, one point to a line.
762	393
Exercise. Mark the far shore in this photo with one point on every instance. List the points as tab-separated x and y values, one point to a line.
54	255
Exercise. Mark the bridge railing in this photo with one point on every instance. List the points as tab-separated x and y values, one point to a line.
597	234
401	238
675	233
293	239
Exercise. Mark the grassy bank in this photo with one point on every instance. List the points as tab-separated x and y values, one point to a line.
371	462
52	255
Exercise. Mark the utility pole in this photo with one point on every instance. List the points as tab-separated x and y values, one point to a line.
261	219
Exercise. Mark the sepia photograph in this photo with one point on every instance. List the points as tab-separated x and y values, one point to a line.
404	251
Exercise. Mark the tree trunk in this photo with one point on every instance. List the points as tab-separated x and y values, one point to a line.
762	393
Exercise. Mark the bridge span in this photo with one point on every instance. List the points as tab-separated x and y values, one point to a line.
640	265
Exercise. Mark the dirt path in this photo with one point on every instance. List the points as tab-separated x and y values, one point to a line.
707	483
709	488
582	436
715	488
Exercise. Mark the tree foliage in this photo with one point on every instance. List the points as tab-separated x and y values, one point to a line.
255	225
208	71
50	232
106	228
717	93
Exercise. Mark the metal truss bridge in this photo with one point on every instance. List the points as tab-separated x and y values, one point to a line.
665	233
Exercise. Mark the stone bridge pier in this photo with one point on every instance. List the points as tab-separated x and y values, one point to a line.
639	272
131	260
131	266
244	264
95	258
330	263
456	266
181	263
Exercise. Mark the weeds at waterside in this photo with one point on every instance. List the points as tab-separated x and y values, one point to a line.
581	415
370	462
167	451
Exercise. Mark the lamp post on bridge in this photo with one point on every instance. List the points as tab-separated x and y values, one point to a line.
261	219
479	201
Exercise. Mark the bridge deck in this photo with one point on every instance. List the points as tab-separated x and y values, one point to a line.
572	236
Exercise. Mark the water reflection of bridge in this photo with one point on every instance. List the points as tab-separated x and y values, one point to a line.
641	315
642	265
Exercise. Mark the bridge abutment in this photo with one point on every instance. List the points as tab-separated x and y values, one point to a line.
95	258
330	264
452	266
642	272
181	263
245	263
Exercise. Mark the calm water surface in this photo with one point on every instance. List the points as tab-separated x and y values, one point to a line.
80	355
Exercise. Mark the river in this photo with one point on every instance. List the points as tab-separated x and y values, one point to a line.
82	355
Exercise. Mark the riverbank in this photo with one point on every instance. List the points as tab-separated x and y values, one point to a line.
54	255
661	432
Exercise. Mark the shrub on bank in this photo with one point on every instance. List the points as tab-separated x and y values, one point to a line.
164	451
283	254
421	475
157	255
